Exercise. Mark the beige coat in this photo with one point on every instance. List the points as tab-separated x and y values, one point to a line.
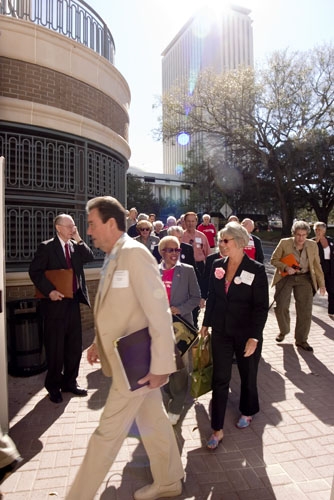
285	247
132	296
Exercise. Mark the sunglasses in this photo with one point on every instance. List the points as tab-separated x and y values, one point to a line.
225	240
172	250
145	229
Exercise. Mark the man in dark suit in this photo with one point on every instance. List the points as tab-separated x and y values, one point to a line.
254	248
62	320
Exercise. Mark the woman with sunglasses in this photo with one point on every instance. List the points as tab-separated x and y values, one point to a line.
236	310
144	229
183	295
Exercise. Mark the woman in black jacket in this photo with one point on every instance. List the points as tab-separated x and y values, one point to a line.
326	253
236	310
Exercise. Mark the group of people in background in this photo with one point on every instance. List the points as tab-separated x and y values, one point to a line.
234	291
151	271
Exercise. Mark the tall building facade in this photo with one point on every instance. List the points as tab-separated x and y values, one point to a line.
219	42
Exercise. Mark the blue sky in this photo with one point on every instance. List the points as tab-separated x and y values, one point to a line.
143	28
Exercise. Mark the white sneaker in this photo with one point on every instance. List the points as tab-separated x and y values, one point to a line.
173	418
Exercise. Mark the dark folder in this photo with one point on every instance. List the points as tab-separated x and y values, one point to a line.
134	352
62	279
185	334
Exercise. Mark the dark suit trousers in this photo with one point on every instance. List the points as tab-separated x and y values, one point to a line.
223	348
63	343
329	283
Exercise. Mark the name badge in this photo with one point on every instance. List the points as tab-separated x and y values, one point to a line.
120	279
247	277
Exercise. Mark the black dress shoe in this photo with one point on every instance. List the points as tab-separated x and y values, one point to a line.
55	397
78	391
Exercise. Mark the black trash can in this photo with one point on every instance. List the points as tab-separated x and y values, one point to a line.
26	354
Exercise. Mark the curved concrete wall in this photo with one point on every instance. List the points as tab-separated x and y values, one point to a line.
48	80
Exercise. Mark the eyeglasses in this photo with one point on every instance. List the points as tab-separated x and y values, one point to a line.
172	250
144	229
225	240
67	226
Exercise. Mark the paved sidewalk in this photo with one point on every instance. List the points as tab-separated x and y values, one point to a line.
287	453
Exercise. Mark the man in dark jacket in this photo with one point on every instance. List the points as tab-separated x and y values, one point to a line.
61	315
254	248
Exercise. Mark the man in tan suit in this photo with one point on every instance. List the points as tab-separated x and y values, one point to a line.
303	275
130	296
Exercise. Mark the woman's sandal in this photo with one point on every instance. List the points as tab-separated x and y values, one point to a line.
213	442
243	422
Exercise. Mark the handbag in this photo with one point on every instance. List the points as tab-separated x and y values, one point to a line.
201	376
185	334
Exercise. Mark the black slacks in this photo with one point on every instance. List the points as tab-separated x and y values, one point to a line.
63	343
223	348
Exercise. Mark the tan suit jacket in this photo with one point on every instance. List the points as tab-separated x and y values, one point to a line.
130	297
286	247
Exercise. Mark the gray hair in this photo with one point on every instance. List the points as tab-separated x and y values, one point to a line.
171	219
164	242
158	223
300	225
237	232
319	224
175	229
142	216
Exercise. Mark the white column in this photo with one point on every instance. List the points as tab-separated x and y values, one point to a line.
3	340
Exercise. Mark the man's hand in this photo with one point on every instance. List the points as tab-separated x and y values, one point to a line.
154	381
93	355
322	290
55	295
250	347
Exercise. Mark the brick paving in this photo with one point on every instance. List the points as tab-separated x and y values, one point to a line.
287	452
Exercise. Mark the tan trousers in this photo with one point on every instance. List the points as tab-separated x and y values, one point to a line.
8	451
302	289
156	433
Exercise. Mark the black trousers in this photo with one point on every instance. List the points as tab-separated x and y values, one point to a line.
63	343
329	283
223	348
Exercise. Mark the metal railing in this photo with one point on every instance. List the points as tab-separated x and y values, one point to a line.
74	19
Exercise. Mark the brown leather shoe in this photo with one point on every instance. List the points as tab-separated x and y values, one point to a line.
305	346
280	337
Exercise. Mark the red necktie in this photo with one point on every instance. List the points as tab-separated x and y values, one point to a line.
68	257
69	265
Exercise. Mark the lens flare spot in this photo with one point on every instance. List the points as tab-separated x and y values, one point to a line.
179	169
183	139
